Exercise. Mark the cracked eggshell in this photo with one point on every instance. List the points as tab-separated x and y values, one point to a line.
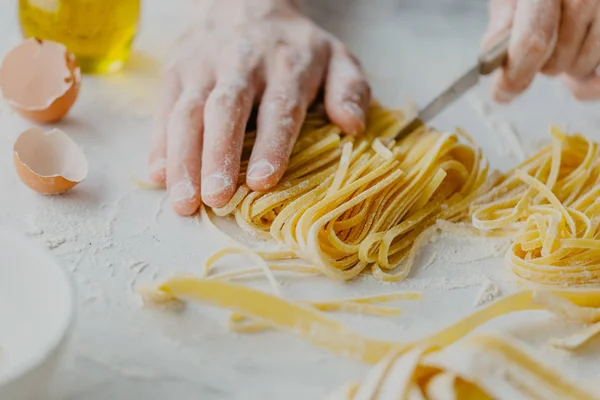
49	162
40	80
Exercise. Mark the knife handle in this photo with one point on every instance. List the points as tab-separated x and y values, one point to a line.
496	56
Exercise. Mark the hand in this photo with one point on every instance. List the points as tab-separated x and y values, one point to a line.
549	36
244	53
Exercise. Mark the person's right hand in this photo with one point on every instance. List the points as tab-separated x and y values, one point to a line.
554	37
239	54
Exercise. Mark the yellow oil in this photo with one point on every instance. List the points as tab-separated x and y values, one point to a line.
98	32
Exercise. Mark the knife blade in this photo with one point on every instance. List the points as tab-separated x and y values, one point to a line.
488	62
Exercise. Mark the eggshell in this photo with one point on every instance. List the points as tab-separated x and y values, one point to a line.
49	162
40	80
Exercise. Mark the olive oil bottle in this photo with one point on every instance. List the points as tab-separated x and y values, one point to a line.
98	32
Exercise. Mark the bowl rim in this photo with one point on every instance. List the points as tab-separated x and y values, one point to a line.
19	240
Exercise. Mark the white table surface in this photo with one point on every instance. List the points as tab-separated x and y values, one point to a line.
411	50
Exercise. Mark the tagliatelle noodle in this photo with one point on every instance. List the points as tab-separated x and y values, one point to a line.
348	205
311	324
578	339
553	201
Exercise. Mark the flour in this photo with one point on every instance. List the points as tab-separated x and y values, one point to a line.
127	371
489	291
509	143
135	264
137	267
159	209
55	242
511	136
32	228
469	250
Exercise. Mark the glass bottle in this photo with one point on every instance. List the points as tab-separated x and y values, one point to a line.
98	32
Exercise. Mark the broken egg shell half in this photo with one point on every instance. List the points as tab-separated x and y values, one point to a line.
49	162
40	79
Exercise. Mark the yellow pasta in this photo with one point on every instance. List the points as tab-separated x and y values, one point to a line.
349	205
550	205
408	368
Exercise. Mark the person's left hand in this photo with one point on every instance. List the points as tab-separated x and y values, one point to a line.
554	37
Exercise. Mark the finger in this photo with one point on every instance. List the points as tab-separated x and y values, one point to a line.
576	17
500	14
170	90
533	36
226	114
347	93
293	84
184	150
584	89
589	54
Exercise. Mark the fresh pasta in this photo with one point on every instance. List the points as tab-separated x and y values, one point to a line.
406	370
550	205
349	206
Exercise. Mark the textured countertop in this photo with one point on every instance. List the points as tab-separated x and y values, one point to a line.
115	235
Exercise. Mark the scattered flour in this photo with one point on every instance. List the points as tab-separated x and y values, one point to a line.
509	143
489	291
469	250
32	227
55	242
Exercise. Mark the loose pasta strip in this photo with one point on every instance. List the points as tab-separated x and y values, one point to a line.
416	370
578	339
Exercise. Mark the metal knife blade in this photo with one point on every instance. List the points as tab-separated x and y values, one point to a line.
492	59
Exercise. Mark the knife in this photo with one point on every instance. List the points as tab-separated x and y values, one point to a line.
494	58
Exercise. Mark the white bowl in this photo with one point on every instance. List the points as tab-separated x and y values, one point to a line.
36	310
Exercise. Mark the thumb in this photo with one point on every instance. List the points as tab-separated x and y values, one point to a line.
500	14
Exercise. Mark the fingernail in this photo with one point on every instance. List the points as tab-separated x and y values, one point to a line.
182	191
213	184
504	96
260	170
355	110
158	166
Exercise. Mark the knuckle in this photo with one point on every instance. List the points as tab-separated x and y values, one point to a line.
295	60
285	101
319	41
189	105
296	65
240	53
536	45
229	93
579	6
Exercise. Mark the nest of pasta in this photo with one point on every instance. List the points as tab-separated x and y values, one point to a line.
550	206
349	205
